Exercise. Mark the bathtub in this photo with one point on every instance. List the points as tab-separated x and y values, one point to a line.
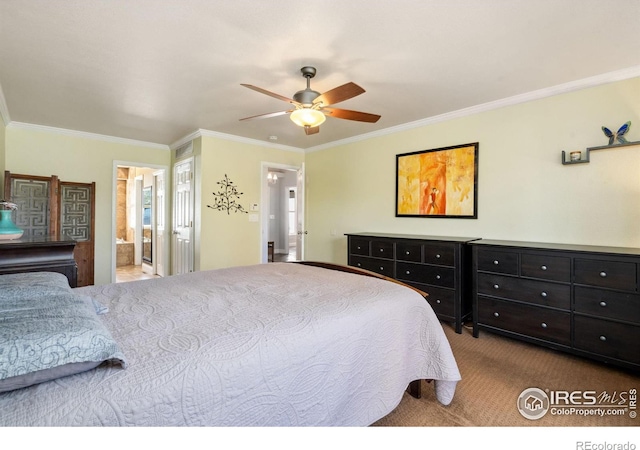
124	253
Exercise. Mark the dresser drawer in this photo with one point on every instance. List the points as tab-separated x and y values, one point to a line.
542	323
409	251
612	339
359	246
610	274
441	300
443	254
382	249
531	291
556	268
497	261
381	266
425	273
607	304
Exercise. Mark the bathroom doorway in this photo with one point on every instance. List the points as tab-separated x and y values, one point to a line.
283	212
139	244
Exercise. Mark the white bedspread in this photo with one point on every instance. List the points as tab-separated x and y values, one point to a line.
273	344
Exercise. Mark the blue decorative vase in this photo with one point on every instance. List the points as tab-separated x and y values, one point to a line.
8	230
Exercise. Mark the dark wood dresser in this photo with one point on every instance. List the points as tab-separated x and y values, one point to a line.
39	254
437	265
584	300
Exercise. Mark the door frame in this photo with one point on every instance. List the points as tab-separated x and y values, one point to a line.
265	204
114	204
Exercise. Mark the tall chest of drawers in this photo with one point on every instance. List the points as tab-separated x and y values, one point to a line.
434	264
584	300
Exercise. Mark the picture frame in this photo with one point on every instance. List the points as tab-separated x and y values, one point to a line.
438	183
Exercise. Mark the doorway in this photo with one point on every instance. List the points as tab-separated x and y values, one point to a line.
282	213
139	209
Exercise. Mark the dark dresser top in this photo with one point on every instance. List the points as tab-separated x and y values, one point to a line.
413	236
561	247
37	241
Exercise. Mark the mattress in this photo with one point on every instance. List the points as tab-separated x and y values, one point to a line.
276	344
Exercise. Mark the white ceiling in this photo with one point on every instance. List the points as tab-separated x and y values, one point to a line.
157	71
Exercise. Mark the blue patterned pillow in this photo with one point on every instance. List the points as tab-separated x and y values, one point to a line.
42	338
15	287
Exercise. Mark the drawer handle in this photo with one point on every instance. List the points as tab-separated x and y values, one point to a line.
496	262
438	301
496	314
603	304
543	325
438	277
408	252
544	294
496	286
603	338
438	256
408	272
359	247
603	274
543	267
381	268
382	250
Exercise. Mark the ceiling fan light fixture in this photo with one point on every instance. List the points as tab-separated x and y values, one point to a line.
307	117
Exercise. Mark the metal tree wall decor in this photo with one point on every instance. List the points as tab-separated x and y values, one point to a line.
226	197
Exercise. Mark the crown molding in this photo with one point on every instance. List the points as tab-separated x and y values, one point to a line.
230	137
610	77
86	135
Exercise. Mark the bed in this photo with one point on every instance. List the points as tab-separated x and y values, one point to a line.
278	344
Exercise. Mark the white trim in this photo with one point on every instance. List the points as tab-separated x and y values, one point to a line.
4	109
185	139
597	80
230	137
86	135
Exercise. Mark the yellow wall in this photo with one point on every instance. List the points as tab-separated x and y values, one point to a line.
230	239
84	160
524	192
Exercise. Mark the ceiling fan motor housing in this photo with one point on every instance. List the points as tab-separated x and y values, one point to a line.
306	96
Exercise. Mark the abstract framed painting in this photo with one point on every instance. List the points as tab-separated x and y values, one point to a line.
441	182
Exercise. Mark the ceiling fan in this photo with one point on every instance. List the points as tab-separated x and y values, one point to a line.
312	107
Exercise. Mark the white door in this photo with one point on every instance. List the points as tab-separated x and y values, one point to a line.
159	234
300	210
183	212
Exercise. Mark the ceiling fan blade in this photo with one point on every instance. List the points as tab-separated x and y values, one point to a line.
351	115
269	93
339	94
266	116
311	130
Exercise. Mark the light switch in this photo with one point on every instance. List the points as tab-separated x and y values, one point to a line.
253	217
